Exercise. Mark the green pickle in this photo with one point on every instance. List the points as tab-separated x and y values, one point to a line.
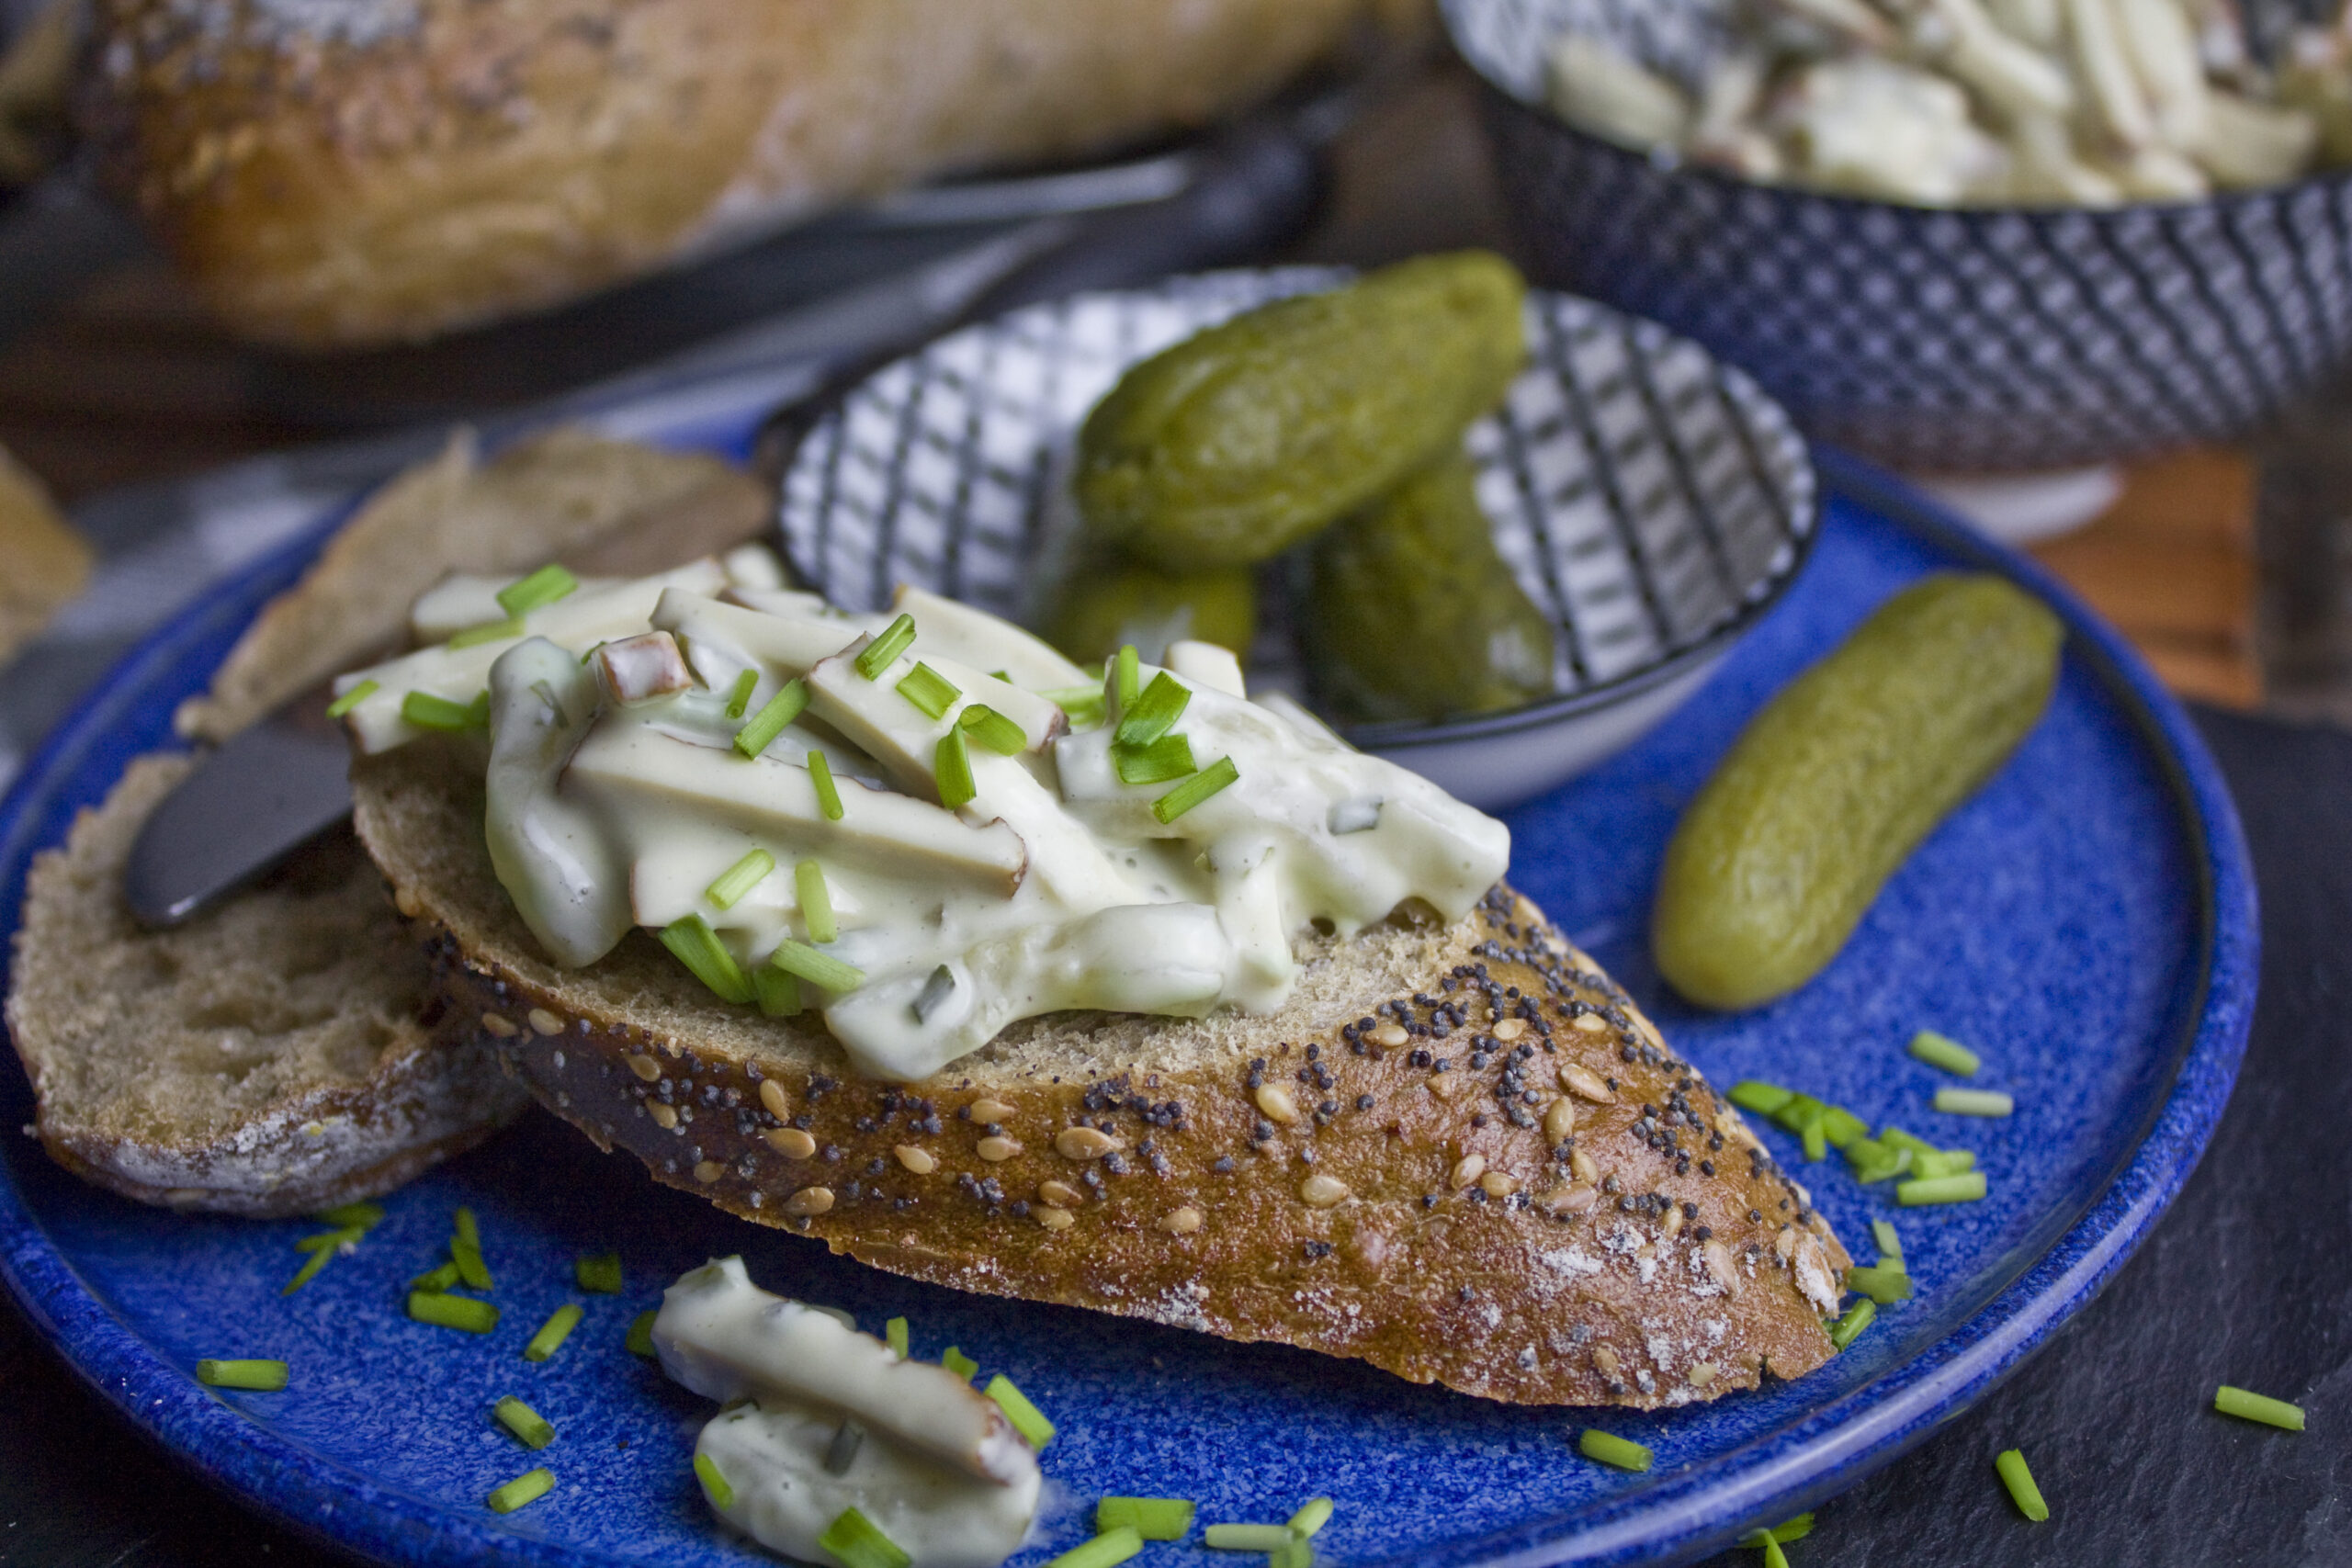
1837	781
1411	612
1247	439
1104	603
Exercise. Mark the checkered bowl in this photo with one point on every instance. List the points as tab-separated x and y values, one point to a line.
1652	501
1972	340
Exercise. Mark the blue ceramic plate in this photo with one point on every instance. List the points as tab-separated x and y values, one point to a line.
2087	922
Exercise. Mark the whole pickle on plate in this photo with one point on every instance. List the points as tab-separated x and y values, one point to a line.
1829	789
1411	612
1248	437
1104	603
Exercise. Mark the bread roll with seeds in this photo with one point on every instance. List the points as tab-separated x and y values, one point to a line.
1458	1152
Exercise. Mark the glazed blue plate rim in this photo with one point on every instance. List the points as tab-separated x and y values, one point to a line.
1826	1454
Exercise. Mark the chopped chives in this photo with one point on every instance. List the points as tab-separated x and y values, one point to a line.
1889	1245
527	1487
1974	1102
1940	1050
816	901
436	1279
1312	1516
894	1334
884	650
1796	1529
1113	1546
1126	676
1297	1553
1084	705
533	1428
552	1333
328	1240
362	1214
465	1250
1769	1544
950	767
640	1333
774	714
930	692
1964	1188
462	1219
822	970
1607	1448
1873	1161
309	1271
1942	1162
1194	790
427	711
739	700
1169	757
779	993
600	1273
2019	1481
697	946
1816	1141
268	1377
1153	1518
1896	1138
1154	713
542	588
1761	1098
740	878
857	1541
1849	1328
353	698
1884	1286
1027	1418
956	1361
828	795
490	631
2238	1402
1246	1538
443	1311
714	1483
992	729
1842	1127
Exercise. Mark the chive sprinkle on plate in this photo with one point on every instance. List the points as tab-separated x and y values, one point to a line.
1607	1448
2248	1406
2019	1481
1113	1546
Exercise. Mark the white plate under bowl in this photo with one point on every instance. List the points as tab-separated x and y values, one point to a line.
1652	500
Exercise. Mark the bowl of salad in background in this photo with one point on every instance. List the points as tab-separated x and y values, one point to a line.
1956	235
1651	502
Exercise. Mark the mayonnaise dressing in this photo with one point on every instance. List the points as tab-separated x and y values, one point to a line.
938	1469
1055	886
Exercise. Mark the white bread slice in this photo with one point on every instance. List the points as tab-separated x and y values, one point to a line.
1366	1172
273	1057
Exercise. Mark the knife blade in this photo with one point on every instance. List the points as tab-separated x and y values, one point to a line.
278	784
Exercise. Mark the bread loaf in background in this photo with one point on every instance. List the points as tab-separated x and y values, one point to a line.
346	173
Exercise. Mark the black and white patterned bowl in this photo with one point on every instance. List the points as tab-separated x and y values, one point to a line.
1982	339
1654	501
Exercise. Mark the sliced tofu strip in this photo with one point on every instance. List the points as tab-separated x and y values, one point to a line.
623	765
724	1337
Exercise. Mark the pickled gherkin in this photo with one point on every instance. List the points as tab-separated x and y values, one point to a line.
1829	789
1103	603
1412	613
1251	436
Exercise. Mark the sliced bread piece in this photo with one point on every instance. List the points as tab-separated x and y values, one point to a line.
277	1056
1459	1152
597	505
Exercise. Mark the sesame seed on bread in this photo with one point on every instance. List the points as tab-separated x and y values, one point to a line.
1458	1152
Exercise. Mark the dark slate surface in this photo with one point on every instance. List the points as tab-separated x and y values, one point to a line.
2247	1281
